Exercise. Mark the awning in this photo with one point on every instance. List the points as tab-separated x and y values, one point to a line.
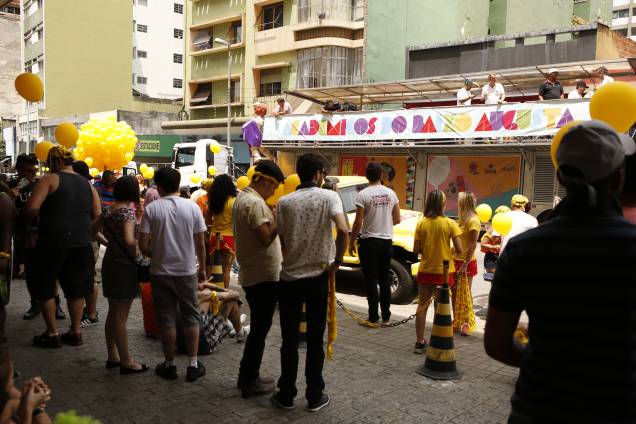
271	66
202	126
202	94
516	81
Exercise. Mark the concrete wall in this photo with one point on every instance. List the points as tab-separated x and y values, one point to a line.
10	65
88	61
513	16
393	25
595	10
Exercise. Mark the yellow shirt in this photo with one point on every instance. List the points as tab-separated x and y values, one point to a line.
435	236
222	223
472	225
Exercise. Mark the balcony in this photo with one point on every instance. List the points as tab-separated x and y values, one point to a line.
33	20
31	51
296	37
229	28
211	93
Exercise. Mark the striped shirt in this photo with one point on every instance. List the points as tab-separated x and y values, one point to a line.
106	197
575	276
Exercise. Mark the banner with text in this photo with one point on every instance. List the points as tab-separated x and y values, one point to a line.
507	120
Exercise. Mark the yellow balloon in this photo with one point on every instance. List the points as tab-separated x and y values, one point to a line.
211	170
484	212
42	150
143	167
195	178
30	87
502	223
615	104
150	173
89	161
280	191
93	171
215	147
242	182
556	140
291	182
129	156
250	172
66	134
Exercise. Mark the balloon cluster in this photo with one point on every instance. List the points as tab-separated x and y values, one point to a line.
148	172
105	144
288	186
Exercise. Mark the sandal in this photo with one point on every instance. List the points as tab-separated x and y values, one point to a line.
126	370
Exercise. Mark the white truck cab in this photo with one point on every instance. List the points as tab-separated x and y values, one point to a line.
195	158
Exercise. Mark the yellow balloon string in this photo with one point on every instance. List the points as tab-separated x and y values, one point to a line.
215	303
332	329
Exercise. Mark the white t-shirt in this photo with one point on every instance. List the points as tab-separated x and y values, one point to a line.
464	94
521	222
606	80
492	94
574	94
304	220
378	202
172	223
286	108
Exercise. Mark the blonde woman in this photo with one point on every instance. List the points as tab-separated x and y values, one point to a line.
465	259
433	236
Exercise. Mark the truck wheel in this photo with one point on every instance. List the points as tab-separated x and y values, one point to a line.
402	284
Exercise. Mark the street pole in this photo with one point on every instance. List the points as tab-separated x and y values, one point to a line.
230	156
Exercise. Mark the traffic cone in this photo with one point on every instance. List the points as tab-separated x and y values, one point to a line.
216	276
302	328
440	363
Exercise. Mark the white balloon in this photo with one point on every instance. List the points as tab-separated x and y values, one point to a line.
438	170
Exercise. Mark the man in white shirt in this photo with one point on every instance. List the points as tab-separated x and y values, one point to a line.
464	96
521	221
377	211
493	92
603	73
310	257
176	228
282	107
579	92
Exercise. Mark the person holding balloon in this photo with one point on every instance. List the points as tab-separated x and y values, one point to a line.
221	197
491	245
521	220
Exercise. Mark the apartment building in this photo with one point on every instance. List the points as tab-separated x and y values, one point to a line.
624	17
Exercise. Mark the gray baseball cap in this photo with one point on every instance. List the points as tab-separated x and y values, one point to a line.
595	149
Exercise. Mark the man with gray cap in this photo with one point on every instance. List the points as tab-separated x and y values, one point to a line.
551	88
579	364
464	96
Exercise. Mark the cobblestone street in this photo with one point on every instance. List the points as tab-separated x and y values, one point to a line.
372	378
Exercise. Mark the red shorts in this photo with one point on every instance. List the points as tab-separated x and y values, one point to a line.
226	243
434	279
471	270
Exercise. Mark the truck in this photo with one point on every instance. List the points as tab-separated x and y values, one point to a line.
194	158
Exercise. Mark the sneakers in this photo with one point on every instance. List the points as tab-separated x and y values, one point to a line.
420	347
319	404
261	386
242	335
194	373
282	404
87	321
33	312
46	341
169	373
72	339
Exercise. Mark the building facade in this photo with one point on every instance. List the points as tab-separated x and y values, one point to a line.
624	17
10	67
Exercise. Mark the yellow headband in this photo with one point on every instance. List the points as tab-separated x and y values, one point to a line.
267	177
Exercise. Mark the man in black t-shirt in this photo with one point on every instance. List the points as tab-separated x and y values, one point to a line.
551	88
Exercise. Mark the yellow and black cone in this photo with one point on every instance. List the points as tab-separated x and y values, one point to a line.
216	276
440	363
302	328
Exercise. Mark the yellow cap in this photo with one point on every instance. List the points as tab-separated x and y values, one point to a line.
519	200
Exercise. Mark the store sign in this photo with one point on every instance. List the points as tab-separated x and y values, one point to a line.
507	120
148	146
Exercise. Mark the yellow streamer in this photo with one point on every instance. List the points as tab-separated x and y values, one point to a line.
464	313
332	329
215	305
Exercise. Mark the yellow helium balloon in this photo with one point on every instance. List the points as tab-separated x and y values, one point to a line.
42	150
211	170
129	156
615	104
502	223
89	161
556	140
30	87
484	212
291	182
215	147
195	178
143	167
93	172
250	172
66	134
150	173
280	191
242	182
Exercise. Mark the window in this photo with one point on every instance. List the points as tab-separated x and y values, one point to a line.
134	52
15	10
142	80
133	79
32	7
329	67
142	53
184	156
177	58
178	33
622	31
235	91
270	89
236	31
273	16
178	8
622	13
202	94
142	28
177	83
134	25
142	2
338	10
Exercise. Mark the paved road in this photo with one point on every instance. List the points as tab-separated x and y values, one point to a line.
372	378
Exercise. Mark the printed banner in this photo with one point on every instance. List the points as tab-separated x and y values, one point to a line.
493	179
507	120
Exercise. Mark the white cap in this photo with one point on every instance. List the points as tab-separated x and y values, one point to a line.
553	71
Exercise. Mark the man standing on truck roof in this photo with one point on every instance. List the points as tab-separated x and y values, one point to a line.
377	211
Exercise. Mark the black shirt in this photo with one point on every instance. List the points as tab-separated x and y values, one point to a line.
575	276
550	91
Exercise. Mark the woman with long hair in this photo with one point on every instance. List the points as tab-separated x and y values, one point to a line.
465	259
433	236
221	196
119	271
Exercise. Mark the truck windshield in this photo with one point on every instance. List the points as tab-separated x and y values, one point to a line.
184	156
348	196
